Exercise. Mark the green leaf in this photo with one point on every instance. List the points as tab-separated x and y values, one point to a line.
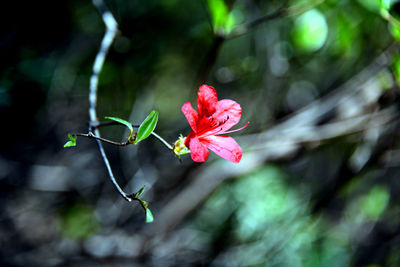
147	126
138	193
144	203
124	122
71	142
149	216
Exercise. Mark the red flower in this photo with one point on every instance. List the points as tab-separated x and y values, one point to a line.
213	118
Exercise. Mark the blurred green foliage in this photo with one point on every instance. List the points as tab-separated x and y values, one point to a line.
78	222
396	67
371	5
375	202
270	224
222	18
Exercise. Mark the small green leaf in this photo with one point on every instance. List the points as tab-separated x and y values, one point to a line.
71	142
147	126
145	206
149	216
138	193
124	122
144	203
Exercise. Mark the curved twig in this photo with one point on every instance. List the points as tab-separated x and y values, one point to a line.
109	123
98	138
111	32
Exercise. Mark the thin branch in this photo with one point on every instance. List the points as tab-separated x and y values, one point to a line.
302	7
109	123
162	140
283	10
386	15
280	12
209	60
111	32
92	136
244	29
212	54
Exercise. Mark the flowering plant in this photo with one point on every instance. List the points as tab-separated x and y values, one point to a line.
212	119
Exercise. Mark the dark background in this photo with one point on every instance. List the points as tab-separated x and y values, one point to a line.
319	181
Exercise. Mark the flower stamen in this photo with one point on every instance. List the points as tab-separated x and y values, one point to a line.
238	129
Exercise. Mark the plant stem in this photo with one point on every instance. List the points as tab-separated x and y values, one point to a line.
92	136
108	38
109	123
162	140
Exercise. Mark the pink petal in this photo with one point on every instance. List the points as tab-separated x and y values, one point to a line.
225	147
188	138
190	114
227	114
198	150
206	100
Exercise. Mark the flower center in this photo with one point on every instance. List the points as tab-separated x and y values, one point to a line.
211	126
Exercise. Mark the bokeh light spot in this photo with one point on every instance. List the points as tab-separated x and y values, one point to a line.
310	31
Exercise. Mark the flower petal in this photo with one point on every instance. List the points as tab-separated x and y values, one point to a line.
198	150
227	114
206	100
225	147
191	115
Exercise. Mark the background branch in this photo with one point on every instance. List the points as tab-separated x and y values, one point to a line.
218	41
